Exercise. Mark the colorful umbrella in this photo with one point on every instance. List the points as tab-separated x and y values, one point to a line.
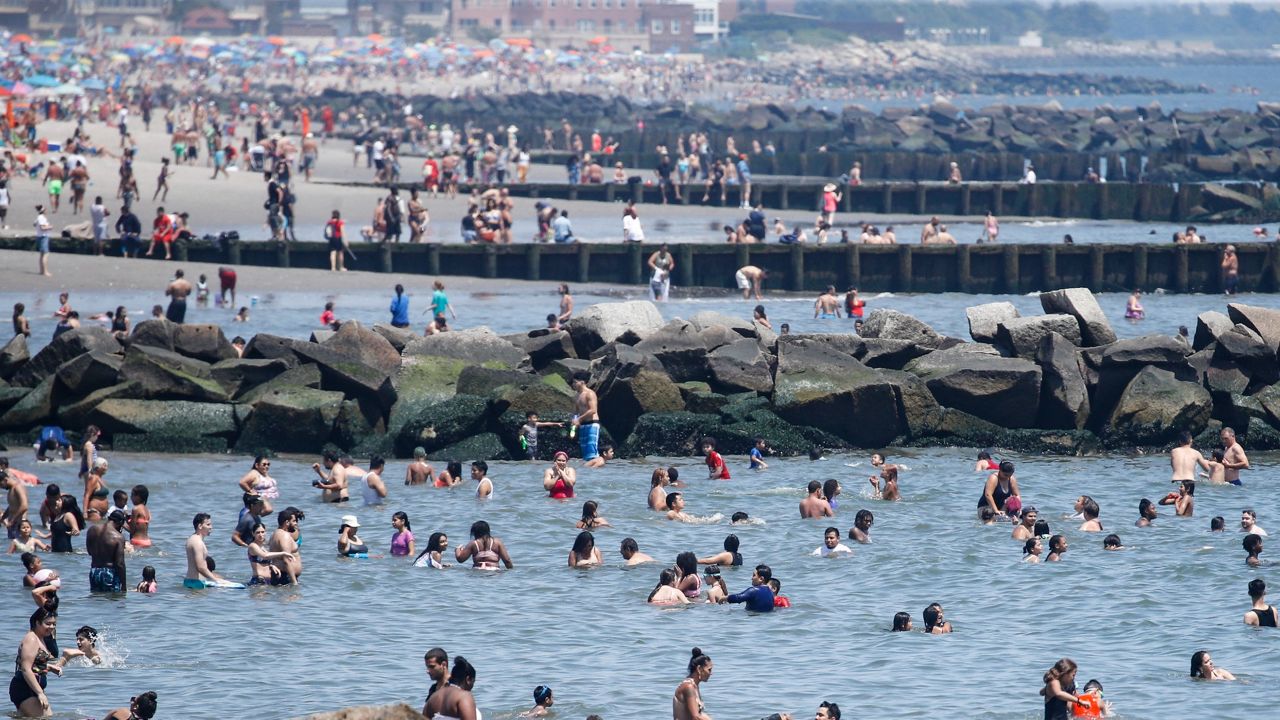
276	40
519	42
21	38
21	88
375	38
43	81
174	40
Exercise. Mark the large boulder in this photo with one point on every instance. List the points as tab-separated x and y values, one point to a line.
68	345
82	375
1022	336
74	412
1209	325
35	408
478	346
202	342
171	419
1264	321
1064	397
513	390
985	319
13	357
624	399
238	375
266	346
1156	407
1005	391
707	319
348	374
920	412
398	337
680	349
153	333
544	346
442	424
717	336
894	325
625	322
300	376
817	386
890	353
672	434
365	346
290	419
1081	304
740	366
162	375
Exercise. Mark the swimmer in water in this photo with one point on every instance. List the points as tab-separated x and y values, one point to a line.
1112	542
542	702
1218	524
902	622
480	473
1217	472
687	580
716	469
987	516
419	471
717	591
1031	550
889	490
657	490
1184	500
333	483
402	544
934	622
740	518
665	592
831	489
630	550
1202	668
141	707
1057	546
815	505
584	552
675	508
757	455
1059	690
199	574
985	462
25	540
1133	309
1261	614
831	545
590	517
1025	529
258	481
861	530
686	704
1146	512
451	476
433	556
606	454
1001	485
729	558
559	479
148	584
1090	510
349	543
484	551
263	570
1253	546
139	524
1183	459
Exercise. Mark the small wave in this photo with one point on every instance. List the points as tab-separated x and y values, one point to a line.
708	520
1050	223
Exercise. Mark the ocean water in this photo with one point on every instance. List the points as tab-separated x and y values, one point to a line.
354	631
521	308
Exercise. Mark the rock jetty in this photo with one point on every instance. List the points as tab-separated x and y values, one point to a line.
1055	382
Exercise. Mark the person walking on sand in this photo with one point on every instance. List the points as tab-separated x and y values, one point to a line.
162	182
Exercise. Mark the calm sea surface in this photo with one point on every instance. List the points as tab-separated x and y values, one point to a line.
355	630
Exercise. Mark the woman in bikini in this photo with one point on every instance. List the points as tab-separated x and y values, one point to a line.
686	704
89	450
96	493
264	570
140	518
451	476
484	551
259	483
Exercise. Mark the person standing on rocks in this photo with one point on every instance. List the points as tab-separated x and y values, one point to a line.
749	278
1233	457
105	546
177	291
953	175
1230	270
586	423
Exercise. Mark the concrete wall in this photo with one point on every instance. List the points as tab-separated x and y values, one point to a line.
874	268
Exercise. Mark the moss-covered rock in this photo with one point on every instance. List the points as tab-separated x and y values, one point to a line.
290	419
670	433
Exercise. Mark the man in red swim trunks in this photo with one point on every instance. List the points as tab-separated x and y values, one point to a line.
227	280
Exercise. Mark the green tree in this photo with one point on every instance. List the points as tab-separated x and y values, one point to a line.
1083	19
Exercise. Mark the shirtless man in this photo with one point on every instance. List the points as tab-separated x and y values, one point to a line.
815	505
79	180
587	419
675	508
16	511
888	473
749	278
105	546
437	661
1184	459
944	237
53	177
333	483
929	232
1025	530
1233	458
284	540
827	307
419	471
199	575
861	530
310	152
1230	270
177	292
566	305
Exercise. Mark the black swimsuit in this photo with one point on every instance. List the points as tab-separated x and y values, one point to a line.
1266	618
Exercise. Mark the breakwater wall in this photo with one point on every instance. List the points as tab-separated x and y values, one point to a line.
1150	202
800	268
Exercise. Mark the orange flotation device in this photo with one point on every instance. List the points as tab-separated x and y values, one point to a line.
25	477
1090	706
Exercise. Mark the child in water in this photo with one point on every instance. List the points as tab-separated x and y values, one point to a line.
148	584
1217	471
542	702
757	455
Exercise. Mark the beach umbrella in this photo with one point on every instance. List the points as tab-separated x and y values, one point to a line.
21	88
598	40
5	92
43	81
202	41
276	40
68	89
21	38
93	84
174	40
375	38
519	42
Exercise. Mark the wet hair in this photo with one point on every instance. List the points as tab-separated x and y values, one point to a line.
199	519
53	491
145	705
1218	454
88	632
1257	586
1006	467
656	478
1093	685
698	660
863	514
149	572
831	531
930	616
1060	669
437	654
984	455
462	672
29	559
1029	545
1250	513
480	529
589	509
40	615
287	514
1112	540
251	499
815	453
454	468
584	542
1189	486
814	486
687	562
833	710
764	572
731	543
986	514
1252	543
759	310
1089	507
402	517
141	492
376	462
629	545
739	517
541	695
1184	438
1218	523
708	441
1197	663
120	497
1145	508
482	465
901	621
666	577
1055	542
673	474
330	455
671	500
